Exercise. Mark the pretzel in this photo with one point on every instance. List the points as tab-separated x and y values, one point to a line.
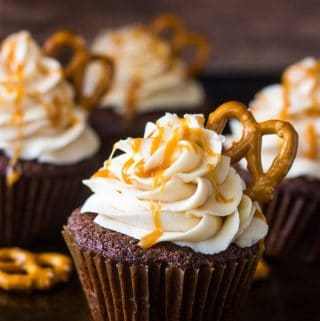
181	39
75	69
22	270
263	271
249	147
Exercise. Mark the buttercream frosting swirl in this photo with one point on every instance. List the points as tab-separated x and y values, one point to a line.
297	100
147	75
174	184
38	117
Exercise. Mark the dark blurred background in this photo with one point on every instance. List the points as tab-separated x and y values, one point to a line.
248	36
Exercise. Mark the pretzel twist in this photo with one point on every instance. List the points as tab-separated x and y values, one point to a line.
249	147
181	40
80	60
22	270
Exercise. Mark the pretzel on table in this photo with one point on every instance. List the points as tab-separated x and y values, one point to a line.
22	270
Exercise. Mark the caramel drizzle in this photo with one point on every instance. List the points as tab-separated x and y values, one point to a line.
157	173
151	238
132	96
311	111
312	139
220	198
54	111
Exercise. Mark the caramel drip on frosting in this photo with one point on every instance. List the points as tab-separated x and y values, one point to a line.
15	85
311	73
196	139
151	238
218	196
312	140
132	96
312	111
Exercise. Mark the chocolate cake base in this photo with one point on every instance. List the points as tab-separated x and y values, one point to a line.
167	282
36	206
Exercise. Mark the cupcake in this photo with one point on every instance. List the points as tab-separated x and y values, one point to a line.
46	147
171	232
293	214
150	76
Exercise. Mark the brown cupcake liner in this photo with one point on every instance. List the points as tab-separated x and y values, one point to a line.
294	225
154	292
37	205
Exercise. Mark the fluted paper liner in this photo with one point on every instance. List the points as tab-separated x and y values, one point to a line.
36	207
119	291
294	226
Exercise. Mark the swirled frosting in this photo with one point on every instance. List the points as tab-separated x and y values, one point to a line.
147	76
38	117
297	100
174	184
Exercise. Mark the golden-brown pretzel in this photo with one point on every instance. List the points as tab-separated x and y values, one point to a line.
249	147
169	23
201	49
181	39
67	40
22	270
75	69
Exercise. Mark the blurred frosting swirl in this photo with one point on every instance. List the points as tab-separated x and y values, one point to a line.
297	100
174	184
147	75
38	117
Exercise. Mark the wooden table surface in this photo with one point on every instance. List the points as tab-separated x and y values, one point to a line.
245	34
291	293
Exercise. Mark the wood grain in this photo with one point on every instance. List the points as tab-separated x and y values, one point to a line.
247	35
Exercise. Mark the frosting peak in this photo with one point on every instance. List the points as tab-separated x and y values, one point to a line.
38	117
297	100
175	185
148	74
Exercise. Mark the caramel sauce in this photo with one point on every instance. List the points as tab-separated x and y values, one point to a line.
312	140
54	110
157	141
151	238
218	196
311	72
136	145
103	173
132	96
124	170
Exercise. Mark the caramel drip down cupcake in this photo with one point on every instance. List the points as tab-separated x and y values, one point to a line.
45	144
171	231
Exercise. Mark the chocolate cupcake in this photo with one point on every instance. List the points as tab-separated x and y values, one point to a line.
150	76
293	214
170	231
46	146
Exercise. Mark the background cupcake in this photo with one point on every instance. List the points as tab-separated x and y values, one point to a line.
150	76
293	215
46	145
169	232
